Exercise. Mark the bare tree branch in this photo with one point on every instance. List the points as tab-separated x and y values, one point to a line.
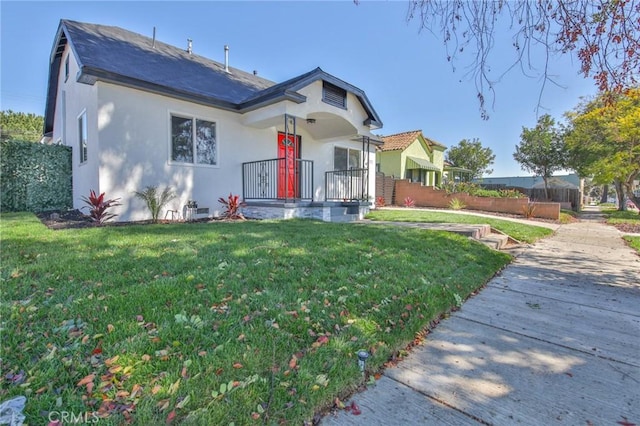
604	35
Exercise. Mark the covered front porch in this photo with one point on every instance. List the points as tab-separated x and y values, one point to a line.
291	186
284	188
422	171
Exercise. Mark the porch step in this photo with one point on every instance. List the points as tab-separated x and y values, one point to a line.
495	241
343	214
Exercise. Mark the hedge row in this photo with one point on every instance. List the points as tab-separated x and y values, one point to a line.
34	177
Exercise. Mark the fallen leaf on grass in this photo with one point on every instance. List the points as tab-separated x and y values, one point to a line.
109	362
237	365
17	378
184	402
171	417
86	379
134	391
110	328
163	405
174	387
293	362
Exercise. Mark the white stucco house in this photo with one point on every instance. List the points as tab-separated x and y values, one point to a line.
139	112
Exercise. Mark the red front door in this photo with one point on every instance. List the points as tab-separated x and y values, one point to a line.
288	153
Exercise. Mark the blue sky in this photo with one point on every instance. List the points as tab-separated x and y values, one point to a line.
370	45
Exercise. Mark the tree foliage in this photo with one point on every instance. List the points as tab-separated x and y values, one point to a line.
604	35
471	155
603	140
541	150
21	126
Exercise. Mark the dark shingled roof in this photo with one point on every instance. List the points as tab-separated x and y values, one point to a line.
112	54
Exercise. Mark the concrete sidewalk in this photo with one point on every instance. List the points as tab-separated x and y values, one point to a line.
553	339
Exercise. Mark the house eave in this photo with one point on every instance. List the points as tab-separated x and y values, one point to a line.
89	75
258	103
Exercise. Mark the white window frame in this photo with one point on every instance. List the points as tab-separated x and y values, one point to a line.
349	150
83	137
194	119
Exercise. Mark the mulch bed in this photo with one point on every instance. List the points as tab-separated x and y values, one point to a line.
628	228
67	219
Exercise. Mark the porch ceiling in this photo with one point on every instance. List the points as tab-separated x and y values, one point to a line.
323	125
320	125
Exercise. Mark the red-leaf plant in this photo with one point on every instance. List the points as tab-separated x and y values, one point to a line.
98	207
408	202
232	207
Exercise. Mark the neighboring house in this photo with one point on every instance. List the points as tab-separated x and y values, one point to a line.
139	112
455	174
412	156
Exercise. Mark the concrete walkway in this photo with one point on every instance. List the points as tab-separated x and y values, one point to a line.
554	339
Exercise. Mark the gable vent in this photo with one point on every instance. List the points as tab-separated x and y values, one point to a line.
334	95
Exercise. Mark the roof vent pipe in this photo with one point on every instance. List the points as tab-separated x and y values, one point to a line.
153	45
226	58
189	46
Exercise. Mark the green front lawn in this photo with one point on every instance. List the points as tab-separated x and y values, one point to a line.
519	231
244	322
615	216
634	242
626	221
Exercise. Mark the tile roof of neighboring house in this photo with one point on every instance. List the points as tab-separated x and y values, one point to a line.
113	54
400	141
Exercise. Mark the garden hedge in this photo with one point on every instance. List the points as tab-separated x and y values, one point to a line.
35	177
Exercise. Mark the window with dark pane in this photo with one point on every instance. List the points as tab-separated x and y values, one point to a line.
354	159
82	137
346	159
193	141
206	142
340	158
181	139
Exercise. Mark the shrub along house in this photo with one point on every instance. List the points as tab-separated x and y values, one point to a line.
139	112
412	156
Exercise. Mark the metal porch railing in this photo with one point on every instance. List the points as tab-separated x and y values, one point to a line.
347	185
277	179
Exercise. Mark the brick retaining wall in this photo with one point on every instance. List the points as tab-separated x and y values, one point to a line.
425	196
